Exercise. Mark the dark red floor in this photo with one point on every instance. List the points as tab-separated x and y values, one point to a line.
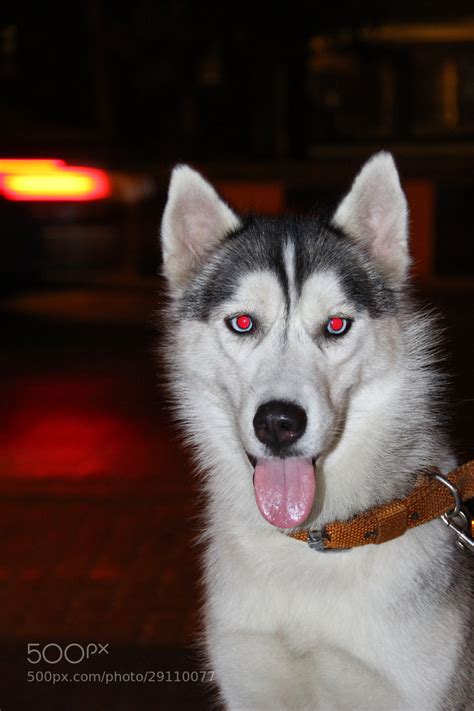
97	517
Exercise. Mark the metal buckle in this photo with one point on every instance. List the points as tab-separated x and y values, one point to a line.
457	519
316	540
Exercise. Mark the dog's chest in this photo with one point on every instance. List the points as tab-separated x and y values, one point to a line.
356	622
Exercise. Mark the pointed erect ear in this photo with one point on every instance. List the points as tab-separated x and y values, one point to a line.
195	220
374	213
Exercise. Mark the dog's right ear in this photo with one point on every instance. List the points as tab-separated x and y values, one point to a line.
195	220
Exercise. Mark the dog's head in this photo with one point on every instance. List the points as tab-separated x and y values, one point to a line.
286	338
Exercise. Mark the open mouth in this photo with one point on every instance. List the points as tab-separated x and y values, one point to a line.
284	489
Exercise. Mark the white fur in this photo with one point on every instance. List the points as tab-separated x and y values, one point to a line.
288	628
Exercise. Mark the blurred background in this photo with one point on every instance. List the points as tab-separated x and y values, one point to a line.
98	100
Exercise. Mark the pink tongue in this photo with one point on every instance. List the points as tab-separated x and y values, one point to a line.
284	489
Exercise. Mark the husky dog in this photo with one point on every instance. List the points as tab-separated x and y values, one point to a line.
305	378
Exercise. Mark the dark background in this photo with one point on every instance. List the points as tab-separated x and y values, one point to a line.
279	107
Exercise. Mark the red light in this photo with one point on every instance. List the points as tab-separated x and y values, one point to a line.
51	180
54	428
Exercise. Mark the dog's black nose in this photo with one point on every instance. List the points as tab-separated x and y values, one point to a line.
278	424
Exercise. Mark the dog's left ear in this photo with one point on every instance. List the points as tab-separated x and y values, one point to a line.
375	214
195	220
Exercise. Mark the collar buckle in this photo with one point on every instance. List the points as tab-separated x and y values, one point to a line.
456	519
462	530
316	540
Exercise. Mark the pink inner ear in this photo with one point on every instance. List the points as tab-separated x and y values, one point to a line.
194	220
374	213
379	223
382	224
196	229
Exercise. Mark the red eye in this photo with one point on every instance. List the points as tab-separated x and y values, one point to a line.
336	326
241	324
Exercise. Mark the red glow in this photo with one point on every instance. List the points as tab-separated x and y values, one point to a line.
58	443
79	426
244	322
51	180
337	324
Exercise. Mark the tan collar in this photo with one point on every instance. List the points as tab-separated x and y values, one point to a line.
433	498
